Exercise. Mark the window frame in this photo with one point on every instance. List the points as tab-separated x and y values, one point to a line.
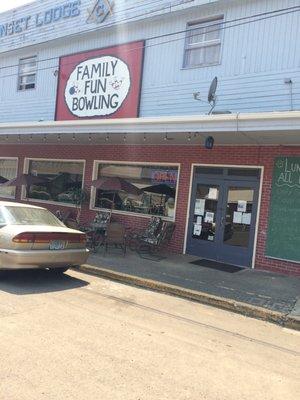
20	76
58	203
130	213
191	25
17	169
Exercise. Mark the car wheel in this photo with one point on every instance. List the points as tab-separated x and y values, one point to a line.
59	270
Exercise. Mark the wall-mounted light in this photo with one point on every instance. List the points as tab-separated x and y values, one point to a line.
209	142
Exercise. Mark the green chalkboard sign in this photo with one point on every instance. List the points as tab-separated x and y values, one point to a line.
283	238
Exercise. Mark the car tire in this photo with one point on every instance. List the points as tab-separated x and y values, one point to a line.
58	270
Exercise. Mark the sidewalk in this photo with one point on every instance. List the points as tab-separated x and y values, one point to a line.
259	294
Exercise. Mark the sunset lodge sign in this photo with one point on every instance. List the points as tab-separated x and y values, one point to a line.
62	12
101	83
97	13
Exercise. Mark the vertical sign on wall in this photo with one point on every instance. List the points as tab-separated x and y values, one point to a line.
104	83
283	240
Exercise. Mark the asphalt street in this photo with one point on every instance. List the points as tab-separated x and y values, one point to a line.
81	337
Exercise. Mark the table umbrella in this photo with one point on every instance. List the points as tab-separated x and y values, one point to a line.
25	179
2	179
115	185
161	188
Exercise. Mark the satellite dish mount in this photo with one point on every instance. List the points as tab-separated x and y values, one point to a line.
212	98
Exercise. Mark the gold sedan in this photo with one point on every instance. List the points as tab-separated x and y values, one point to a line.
32	237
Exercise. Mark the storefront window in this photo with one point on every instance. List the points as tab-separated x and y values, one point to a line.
157	189
8	170
60	180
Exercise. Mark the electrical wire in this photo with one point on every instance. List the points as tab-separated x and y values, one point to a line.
220	26
277	13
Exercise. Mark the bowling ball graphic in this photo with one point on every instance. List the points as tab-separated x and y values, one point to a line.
72	90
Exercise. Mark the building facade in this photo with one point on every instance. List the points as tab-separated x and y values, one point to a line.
102	88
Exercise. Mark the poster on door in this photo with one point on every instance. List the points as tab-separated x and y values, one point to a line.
102	83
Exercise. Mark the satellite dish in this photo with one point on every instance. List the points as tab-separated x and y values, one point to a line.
212	90
211	98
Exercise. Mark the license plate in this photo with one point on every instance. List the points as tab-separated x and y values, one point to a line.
57	245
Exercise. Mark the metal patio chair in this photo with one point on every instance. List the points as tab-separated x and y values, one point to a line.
96	230
151	232
153	239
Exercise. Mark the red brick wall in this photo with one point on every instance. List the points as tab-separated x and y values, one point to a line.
185	155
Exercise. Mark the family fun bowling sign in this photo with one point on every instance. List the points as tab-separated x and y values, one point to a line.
101	83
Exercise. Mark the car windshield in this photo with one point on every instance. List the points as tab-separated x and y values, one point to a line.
30	216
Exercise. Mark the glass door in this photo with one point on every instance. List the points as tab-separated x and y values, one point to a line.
205	212
222	220
205	218
238	222
237	219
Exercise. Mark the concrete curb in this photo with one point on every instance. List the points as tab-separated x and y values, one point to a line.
288	321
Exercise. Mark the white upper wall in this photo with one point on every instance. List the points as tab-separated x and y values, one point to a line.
256	58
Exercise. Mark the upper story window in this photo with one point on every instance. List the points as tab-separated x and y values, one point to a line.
27	73
203	43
